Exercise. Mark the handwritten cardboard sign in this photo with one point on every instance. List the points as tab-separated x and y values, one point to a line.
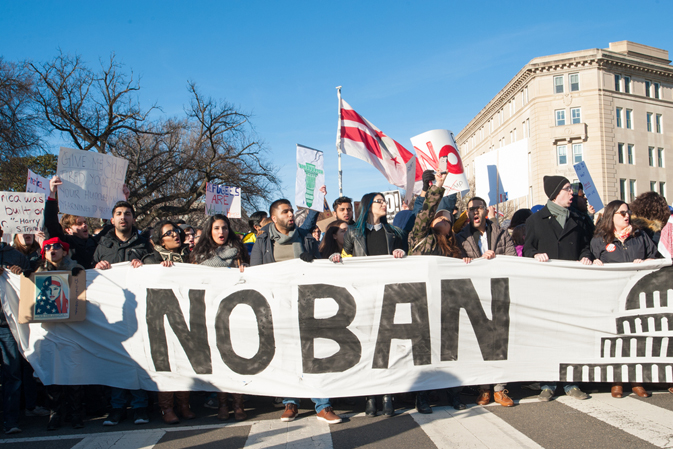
589	188
36	183
92	182
21	213
223	200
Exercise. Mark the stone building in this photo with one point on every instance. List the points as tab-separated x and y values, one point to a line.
612	108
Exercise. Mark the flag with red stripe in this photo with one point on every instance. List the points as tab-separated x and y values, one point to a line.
359	138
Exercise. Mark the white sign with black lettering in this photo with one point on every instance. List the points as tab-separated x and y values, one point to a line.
21	213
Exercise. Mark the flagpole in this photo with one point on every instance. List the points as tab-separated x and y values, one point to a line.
338	143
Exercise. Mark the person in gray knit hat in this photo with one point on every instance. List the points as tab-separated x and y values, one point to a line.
557	232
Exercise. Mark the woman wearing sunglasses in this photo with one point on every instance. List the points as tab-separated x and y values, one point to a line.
168	247
617	240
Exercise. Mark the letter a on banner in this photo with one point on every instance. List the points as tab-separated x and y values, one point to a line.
437	148
310	177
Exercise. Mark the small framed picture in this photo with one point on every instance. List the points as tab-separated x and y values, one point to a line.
52	296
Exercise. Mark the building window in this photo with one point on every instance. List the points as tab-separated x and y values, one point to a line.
632	189
657	88
528	126
558	84
650	153
514	134
562	156
523	127
629	121
662	188
648	85
525	95
627	84
574	82
560	117
660	157
576	115
619	117
620	152
658	121
622	189
511	137
577	153
629	154
618	83
649	122
653	186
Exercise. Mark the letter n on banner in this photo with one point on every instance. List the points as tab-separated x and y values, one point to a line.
492	335
194	341
418	331
333	328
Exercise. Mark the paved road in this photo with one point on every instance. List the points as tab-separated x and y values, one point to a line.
600	422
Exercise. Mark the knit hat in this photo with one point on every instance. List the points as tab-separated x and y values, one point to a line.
53	240
553	185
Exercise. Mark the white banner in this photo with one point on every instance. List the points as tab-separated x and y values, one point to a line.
37	184
502	174
92	182
437	150
588	185
310	177
21	213
223	200
368	326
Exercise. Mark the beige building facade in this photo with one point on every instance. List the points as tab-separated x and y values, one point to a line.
611	108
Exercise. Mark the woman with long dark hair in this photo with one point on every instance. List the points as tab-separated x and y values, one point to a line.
616	239
219	246
333	240
28	245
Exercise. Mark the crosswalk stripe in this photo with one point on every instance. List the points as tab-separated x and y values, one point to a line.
474	427
304	433
638	418
119	440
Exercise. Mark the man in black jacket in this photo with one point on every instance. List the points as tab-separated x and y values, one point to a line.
123	243
557	232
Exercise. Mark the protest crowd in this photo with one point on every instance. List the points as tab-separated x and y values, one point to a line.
565	228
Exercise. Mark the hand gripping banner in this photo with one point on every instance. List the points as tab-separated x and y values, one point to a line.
367	326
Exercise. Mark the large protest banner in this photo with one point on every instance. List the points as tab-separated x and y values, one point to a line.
21	213
223	200
92	182
310	177
37	184
367	326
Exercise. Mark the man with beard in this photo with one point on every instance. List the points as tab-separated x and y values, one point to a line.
279	241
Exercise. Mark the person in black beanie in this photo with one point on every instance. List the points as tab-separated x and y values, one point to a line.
557	232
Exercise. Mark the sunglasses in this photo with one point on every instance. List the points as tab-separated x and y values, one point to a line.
623	213
475	209
170	233
52	246
379	201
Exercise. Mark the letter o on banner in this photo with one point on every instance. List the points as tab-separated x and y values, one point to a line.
456	168
267	345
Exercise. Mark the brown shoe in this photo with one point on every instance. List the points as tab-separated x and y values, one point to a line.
239	409
328	416
640	391
670	390
617	391
182	398
484	397
501	398
290	413
165	401
223	410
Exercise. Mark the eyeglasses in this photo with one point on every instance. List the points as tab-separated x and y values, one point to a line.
623	213
475	208
170	233
52	246
568	189
379	201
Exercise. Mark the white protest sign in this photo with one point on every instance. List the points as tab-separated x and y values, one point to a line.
502	174
21	213
393	204
310	177
92	182
37	183
438	148
223	200
588	184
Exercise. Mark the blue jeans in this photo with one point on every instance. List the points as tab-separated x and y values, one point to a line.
10	375
118	398
320	403
552	387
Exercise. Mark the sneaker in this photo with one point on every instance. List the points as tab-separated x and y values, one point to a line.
116	415
212	402
140	416
576	393
37	411
501	398
12	430
546	395
328	416
535	386
290	413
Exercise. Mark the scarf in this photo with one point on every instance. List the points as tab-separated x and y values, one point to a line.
166	254
560	213
293	238
624	234
225	256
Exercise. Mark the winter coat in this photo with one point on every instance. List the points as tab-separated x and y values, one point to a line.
9	257
545	235
500	241
650	227
160	254
355	243
66	264
637	246
113	250
422	240
262	250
